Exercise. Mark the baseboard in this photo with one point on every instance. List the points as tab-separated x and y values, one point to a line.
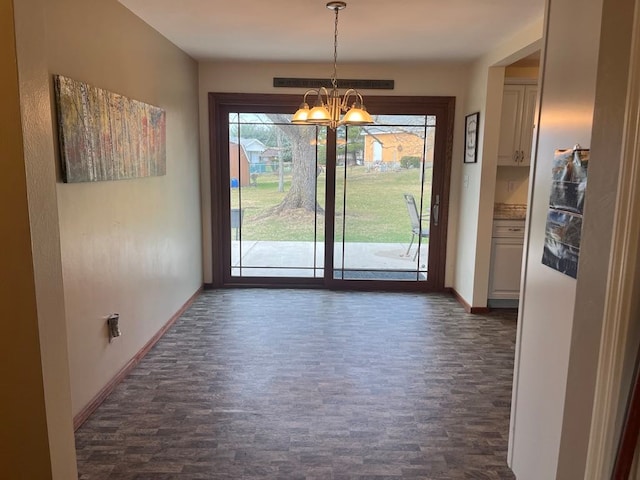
468	308
101	396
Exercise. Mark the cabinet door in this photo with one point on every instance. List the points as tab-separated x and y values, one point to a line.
506	261
527	125
510	125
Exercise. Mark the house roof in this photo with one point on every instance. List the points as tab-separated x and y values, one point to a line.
252	145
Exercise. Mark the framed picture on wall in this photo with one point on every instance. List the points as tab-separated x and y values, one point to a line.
471	122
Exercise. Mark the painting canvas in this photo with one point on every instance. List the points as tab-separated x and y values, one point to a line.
106	136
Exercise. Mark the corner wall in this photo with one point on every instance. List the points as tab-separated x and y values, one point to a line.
547	315
601	209
22	402
133	246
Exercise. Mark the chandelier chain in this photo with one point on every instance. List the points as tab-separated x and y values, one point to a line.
334	81
330	105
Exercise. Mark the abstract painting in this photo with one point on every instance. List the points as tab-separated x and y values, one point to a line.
106	136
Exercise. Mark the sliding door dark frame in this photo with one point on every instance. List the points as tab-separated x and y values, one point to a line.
444	109
221	104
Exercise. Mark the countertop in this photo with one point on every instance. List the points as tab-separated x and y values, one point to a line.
509	211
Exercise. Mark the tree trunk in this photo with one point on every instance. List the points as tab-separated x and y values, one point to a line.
302	193
280	161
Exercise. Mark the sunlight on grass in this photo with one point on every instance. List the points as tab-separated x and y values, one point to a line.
376	211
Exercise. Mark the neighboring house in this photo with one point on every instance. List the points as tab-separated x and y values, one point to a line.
253	149
389	145
269	159
238	166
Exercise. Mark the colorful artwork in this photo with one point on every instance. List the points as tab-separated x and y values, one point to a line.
105	136
566	205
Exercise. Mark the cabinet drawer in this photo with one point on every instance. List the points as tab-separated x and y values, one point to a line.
508	229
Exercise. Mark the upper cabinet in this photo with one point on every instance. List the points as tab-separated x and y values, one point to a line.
516	125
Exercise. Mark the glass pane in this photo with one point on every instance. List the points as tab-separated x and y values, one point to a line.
277	196
383	191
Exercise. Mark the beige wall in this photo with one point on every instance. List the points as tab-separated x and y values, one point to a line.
21	377
444	80
134	246
131	247
45	237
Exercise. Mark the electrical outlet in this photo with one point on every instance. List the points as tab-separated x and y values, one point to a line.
465	181
113	326
511	186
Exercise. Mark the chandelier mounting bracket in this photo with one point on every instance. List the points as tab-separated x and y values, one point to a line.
336	5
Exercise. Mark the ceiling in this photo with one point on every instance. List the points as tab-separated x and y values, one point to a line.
369	30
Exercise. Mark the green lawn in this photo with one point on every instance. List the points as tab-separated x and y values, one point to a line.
375	212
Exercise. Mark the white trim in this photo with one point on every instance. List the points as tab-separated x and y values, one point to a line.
527	239
618	304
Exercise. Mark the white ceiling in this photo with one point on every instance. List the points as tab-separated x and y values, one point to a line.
369	30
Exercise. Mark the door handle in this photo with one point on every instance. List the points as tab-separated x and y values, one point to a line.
516	155
435	211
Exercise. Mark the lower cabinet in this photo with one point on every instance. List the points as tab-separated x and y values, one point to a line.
506	261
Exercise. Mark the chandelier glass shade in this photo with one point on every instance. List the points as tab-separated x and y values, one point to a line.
330	105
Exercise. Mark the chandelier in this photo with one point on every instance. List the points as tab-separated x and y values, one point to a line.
330	105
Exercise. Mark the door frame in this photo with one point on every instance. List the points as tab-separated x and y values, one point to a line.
221	104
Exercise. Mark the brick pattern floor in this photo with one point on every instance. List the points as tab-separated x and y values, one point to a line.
310	384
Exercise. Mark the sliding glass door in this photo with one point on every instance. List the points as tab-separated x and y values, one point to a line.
358	207
276	197
384	178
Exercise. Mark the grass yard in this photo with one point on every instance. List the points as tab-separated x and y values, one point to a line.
376	211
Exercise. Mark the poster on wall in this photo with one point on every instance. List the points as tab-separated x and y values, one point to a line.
106	136
566	205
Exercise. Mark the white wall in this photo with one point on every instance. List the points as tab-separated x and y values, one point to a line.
134	246
610	116
548	300
477	182
437	80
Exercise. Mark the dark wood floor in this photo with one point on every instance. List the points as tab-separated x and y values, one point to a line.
298	384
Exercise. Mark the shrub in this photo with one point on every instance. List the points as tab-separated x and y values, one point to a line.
410	162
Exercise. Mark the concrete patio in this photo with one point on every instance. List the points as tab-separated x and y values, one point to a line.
306	259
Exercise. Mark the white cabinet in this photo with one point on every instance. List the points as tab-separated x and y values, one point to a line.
506	261
516	125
